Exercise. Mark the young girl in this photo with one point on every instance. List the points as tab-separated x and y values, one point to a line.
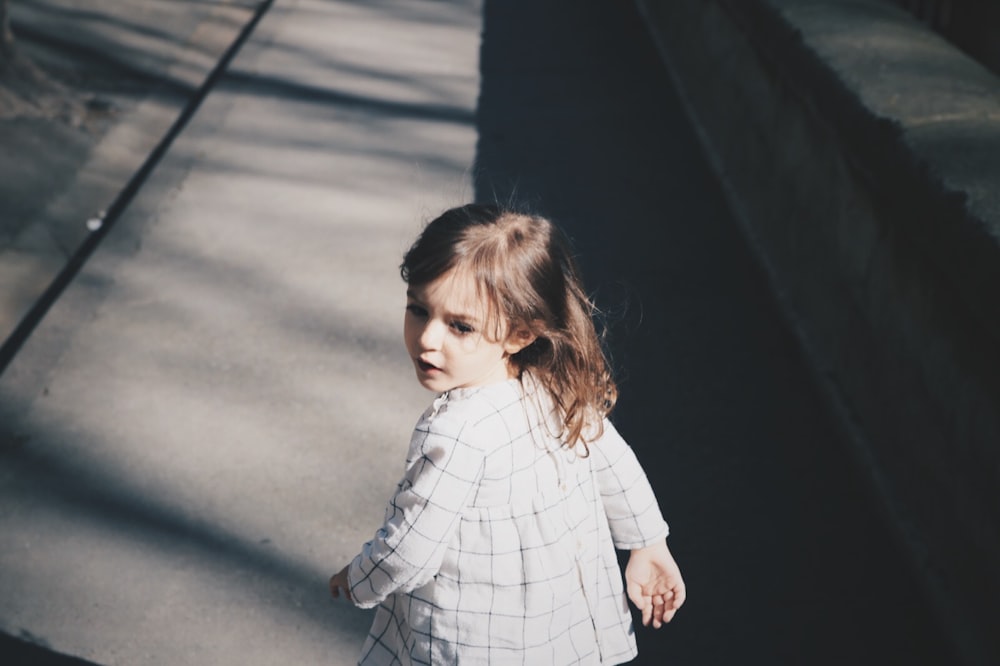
499	543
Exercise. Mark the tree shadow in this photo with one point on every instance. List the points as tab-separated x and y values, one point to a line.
64	473
285	89
117	51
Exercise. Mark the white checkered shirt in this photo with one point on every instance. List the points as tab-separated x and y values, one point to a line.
499	544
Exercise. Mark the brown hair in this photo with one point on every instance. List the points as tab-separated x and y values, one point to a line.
524	269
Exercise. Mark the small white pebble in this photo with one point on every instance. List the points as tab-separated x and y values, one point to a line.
96	222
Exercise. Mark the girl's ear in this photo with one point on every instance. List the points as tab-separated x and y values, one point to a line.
518	339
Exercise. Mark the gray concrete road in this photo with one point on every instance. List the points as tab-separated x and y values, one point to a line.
208	422
210	419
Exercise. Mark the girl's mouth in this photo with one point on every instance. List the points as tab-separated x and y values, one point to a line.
427	367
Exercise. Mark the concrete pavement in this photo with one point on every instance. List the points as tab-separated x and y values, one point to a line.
139	63
208	422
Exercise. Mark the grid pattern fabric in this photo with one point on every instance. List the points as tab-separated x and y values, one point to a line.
498	545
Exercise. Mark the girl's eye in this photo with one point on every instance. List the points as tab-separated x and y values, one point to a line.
416	310
462	328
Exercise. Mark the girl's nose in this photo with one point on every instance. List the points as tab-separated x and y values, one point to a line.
432	335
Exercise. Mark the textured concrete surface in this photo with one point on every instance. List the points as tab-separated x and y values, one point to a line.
140	61
210	419
863	160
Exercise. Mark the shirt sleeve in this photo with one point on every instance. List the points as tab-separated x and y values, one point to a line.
442	471
633	514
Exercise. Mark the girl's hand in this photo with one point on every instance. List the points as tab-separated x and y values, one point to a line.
338	582
654	584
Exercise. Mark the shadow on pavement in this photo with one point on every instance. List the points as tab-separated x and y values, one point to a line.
24	652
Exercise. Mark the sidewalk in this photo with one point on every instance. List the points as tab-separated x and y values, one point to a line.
134	65
183	435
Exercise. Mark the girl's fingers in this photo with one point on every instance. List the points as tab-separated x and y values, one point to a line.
647	614
338	582
658	606
661	609
335	587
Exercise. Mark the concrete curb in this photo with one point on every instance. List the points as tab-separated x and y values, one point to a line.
861	151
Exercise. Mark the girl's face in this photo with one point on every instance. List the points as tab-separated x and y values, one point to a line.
446	337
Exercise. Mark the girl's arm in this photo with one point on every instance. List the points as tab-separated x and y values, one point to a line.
406	552
653	579
633	513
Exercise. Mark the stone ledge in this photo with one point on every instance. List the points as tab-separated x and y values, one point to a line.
861	152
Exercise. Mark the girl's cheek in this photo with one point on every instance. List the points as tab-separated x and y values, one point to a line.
470	342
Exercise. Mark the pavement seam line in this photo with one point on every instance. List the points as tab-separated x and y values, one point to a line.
113	212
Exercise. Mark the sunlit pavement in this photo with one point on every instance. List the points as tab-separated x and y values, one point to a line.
209	421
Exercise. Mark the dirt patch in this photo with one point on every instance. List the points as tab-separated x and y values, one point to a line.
49	120
53	110
56	105
26	90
